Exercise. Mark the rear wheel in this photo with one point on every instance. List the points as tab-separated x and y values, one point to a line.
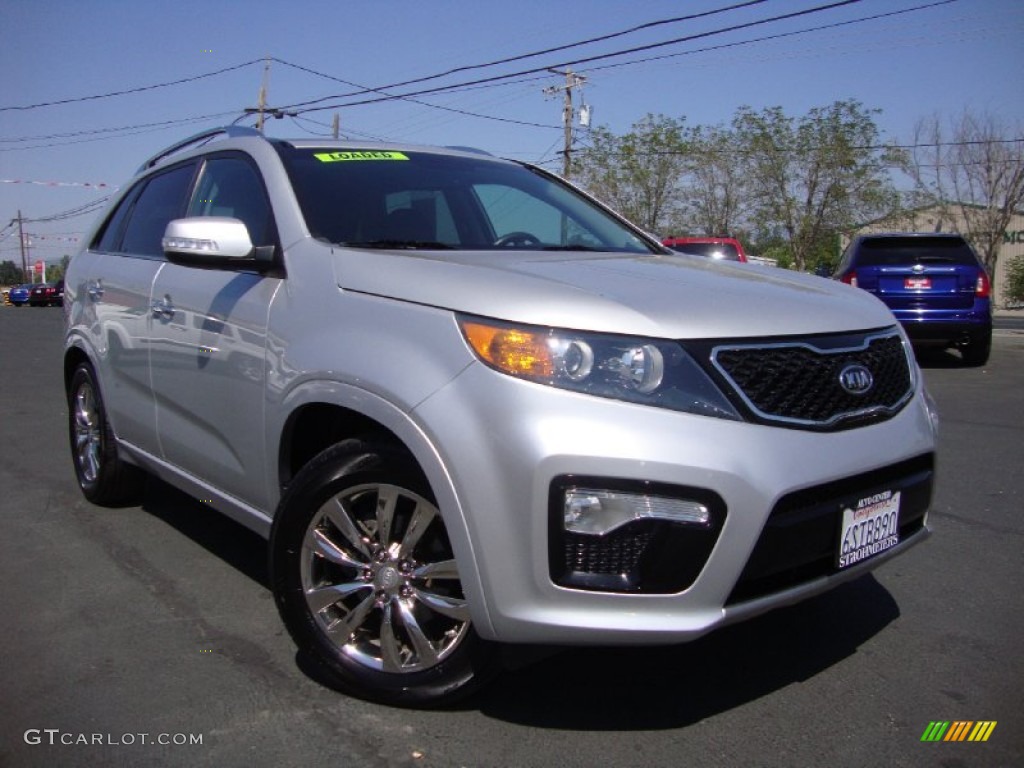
977	352
104	478
366	581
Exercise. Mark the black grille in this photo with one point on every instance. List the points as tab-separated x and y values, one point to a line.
617	553
797	383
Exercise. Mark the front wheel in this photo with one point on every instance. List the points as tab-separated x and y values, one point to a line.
366	581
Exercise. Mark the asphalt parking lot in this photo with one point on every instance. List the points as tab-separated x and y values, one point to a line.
147	635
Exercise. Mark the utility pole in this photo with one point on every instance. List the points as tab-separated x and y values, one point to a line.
571	81
335	126
262	110
24	257
261	104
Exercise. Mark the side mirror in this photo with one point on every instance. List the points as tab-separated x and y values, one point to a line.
214	242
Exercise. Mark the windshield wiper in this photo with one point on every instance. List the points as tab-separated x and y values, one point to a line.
425	245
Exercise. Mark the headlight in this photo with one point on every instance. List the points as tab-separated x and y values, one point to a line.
646	371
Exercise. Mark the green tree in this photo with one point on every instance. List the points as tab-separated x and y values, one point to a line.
10	274
715	201
1013	291
816	175
55	272
638	174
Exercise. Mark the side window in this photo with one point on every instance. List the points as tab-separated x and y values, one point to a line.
162	199
108	238
230	186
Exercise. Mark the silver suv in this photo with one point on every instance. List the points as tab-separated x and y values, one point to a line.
469	405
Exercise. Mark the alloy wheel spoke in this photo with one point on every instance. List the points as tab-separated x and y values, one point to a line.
320	598
422	517
321	544
338	514
390	648
452	607
444	569
346	626
425	654
387	499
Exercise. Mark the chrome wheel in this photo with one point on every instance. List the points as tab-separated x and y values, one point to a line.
87	432
379	577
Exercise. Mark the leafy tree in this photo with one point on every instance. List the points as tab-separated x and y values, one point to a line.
714	182
10	274
637	174
816	175
972	174
1013	291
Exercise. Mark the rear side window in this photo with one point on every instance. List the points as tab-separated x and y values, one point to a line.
896	251
162	199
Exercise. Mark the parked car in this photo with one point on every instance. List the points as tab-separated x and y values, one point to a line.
935	285
19	295
47	294
469	405
725	248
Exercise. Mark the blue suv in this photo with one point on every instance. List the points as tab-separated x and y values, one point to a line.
934	284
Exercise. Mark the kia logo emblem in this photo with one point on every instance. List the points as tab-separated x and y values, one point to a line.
856	379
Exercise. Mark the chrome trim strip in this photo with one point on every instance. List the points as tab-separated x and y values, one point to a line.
839	417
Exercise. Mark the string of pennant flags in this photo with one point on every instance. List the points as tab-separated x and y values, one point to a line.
85	184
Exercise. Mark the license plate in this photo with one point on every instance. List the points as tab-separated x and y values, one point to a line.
871	525
917	283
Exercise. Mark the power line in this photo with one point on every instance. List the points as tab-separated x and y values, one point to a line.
382	91
777	36
562	65
126	91
534	54
126	131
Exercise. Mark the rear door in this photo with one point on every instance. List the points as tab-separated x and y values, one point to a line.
121	267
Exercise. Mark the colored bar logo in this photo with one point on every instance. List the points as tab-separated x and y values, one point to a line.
958	730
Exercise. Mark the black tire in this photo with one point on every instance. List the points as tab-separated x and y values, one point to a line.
365	580
104	478
976	353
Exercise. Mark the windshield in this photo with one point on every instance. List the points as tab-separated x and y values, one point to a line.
407	199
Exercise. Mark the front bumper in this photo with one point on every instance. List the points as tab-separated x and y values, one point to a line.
503	443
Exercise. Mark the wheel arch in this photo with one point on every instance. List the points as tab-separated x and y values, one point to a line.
316	423
74	355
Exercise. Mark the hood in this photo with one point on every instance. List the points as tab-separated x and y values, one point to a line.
655	296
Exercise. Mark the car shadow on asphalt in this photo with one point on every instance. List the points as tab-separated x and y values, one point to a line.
232	542
938	358
645	688
612	688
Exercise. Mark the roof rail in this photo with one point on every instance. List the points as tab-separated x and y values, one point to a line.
231	131
474	150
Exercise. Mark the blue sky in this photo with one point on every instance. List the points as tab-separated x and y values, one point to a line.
961	55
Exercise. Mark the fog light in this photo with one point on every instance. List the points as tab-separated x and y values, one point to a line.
598	512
